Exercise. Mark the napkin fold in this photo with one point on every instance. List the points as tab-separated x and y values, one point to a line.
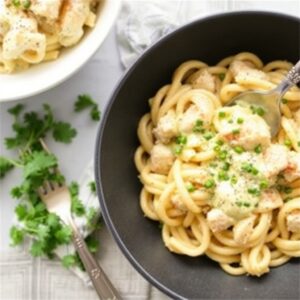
141	23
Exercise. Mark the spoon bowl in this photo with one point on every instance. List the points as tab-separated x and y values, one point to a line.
269	102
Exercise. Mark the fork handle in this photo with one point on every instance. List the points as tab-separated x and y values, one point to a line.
102	285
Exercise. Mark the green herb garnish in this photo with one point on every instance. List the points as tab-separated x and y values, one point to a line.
238	149
222	114
258	149
209	183
221	76
85	101
190	187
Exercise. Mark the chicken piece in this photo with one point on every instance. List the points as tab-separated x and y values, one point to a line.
201	111
48	9
218	221
178	203
243	230
72	19
293	221
161	159
275	160
297	118
204	80
166	128
292	172
251	132
245	71
269	200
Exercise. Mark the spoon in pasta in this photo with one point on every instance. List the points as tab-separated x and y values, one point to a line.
269	102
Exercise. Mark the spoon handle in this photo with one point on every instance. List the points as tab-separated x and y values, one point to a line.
292	78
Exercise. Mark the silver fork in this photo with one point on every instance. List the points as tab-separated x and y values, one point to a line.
58	201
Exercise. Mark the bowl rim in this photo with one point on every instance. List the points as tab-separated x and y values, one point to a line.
109	11
99	138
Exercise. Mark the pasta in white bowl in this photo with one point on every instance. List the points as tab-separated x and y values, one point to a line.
212	175
47	41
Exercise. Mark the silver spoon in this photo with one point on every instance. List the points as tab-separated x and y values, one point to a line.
270	101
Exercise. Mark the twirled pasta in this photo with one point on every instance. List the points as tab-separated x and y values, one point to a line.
178	153
32	31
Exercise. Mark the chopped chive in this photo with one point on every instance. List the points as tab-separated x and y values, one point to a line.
254	171
221	76
233	179
238	149
223	176
209	183
284	101
263	184
236	131
298	143
223	154
16	3
230	121
178	149
220	142
257	110
287	190
246	204
27	4
217	148
181	140
198	127
260	111
258	149
288	143
254	191
247	167
208	135
240	120
239	203
222	114
190	187
226	166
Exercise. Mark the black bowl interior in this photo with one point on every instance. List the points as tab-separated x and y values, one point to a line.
270	36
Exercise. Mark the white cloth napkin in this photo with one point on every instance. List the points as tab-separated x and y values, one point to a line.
90	200
141	23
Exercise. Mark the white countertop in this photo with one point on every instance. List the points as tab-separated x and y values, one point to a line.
27	278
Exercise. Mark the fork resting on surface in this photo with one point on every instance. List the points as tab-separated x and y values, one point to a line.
58	201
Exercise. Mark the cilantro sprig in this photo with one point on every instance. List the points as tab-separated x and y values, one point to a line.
85	101
37	166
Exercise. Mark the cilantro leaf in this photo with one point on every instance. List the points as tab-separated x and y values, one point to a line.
92	186
77	206
37	248
5	166
16	110
53	221
63	132
39	162
69	260
92	243
95	113
16	235
85	101
42	231
64	235
21	211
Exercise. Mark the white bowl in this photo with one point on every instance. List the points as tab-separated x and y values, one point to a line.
46	75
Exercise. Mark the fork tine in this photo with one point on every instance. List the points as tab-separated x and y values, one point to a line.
56	170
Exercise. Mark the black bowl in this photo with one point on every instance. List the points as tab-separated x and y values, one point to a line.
269	35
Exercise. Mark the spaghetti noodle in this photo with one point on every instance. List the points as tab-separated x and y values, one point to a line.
212	175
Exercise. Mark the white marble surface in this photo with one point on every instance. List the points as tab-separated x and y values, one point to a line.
23	278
